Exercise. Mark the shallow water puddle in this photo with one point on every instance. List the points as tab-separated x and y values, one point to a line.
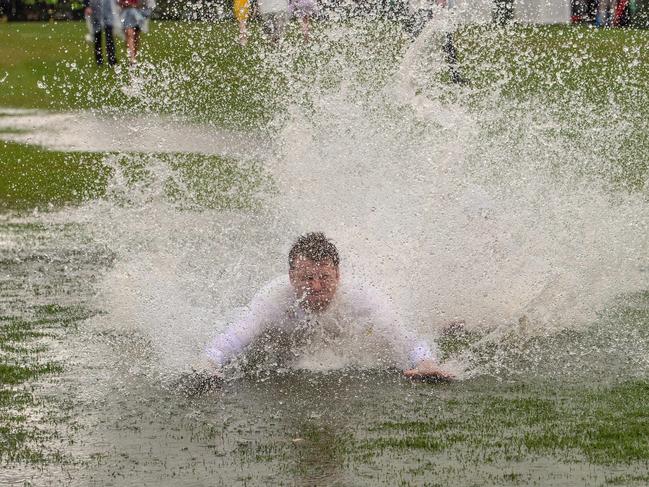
114	419
96	132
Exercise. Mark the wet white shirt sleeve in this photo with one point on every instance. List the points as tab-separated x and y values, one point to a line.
267	307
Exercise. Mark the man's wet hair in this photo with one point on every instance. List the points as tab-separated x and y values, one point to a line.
314	246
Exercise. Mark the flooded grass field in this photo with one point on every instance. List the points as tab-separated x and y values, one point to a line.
517	203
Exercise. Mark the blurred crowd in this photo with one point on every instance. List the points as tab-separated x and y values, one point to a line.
610	13
601	13
125	18
128	19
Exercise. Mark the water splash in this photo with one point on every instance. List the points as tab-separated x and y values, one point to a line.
493	203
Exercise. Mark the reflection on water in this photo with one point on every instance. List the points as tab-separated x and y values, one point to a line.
340	428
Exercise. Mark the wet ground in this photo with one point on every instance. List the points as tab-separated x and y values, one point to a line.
112	418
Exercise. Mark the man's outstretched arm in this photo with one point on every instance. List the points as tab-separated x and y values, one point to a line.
421	356
265	307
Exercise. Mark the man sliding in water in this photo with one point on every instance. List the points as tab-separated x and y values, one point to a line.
313	308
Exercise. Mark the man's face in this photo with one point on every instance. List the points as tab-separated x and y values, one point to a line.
315	283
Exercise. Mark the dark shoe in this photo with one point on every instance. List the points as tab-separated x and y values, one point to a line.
457	79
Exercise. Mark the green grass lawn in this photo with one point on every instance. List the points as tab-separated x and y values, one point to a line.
34	177
582	76
50	66
590	64
197	69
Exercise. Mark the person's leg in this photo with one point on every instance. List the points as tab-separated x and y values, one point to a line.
305	27
243	32
602	14
130	44
280	19
451	59
611	12
110	46
136	43
416	21
98	55
241	13
270	26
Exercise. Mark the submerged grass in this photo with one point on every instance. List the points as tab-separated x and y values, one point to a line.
480	432
605	426
21	365
31	286
34	177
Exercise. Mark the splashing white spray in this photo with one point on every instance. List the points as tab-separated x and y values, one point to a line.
461	203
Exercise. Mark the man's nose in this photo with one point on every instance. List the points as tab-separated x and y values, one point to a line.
316	285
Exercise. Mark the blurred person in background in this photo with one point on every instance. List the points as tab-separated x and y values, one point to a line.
274	15
421	11
605	12
242	14
100	15
303	10
135	20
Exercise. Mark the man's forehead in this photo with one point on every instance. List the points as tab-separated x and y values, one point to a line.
306	263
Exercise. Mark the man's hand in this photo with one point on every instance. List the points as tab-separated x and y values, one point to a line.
428	370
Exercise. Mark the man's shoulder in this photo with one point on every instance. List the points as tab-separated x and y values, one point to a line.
277	284
278	291
363	295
